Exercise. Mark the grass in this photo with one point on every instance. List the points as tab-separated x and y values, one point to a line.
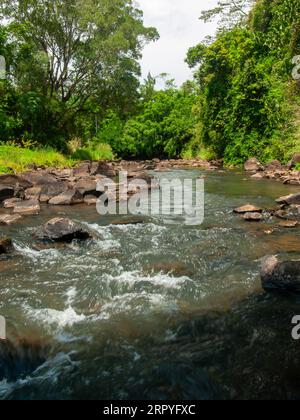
14	158
17	159
98	152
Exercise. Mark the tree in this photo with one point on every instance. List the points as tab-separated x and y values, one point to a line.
70	51
229	12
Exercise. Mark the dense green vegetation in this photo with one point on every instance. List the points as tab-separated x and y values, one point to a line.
73	83
249	101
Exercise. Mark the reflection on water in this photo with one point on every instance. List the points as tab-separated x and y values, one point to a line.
155	310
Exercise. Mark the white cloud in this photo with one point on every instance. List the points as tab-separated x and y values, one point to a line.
180	28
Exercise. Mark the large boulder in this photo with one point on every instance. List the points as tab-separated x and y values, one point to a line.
67	198
253	165
63	230
289	199
28	207
280	276
6	246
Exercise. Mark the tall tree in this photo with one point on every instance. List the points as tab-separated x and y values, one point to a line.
73	50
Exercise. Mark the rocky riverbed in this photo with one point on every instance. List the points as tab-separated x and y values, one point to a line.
123	307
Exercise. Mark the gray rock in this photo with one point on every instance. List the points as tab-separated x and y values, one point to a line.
33	193
289	199
29	207
67	198
280	276
63	230
87	186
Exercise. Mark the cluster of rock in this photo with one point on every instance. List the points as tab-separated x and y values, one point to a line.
287	211
23	194
275	170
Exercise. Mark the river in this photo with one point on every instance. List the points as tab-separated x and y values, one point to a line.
160	310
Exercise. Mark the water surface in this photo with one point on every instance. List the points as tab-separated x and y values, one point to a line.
156	310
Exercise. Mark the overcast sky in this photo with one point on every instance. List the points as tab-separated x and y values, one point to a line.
180	28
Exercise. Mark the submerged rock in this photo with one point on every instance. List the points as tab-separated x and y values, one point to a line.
63	230
288	223
20	358
6	246
281	276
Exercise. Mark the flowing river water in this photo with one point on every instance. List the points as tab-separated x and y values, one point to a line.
160	310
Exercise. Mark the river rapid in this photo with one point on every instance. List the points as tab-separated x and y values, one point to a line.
160	310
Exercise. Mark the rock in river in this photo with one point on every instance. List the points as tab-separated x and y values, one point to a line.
63	230
6	245
281	276
253	217
289	199
67	198
288	224
27	207
253	165
248	208
9	219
